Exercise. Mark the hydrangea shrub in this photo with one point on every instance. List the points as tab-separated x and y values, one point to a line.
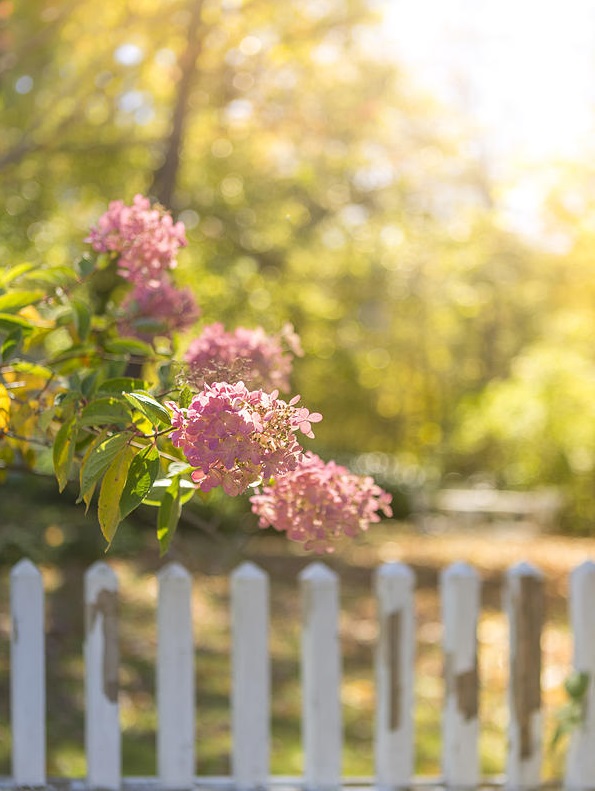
90	383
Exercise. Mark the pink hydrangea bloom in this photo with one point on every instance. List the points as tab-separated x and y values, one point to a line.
144	237
148	312
317	503
248	355
236	437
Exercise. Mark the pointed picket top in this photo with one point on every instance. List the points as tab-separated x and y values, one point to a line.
173	570
585	570
248	571
459	569
25	568
392	577
394	569
524	569
317	572
101	571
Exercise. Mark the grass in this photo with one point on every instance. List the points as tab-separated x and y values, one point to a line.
210	560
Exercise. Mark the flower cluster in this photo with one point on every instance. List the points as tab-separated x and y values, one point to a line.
249	355
144	238
147	311
236	437
316	503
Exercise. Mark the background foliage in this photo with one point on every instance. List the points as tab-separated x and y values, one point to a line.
318	187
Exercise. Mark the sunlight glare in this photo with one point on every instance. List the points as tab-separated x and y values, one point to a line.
522	71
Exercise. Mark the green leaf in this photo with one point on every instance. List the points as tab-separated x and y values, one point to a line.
11	345
168	515
63	315
110	410
89	384
185	398
51	276
14	272
67	398
13	301
141	476
114	480
98	457
46	417
160	487
63	453
128	346
149	407
576	685
10	323
84	265
82	318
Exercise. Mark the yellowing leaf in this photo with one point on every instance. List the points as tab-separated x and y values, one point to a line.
31	313
114	480
4	407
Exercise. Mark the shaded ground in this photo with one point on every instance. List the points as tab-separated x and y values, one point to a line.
491	549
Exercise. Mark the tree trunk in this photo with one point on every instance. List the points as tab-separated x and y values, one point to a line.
165	177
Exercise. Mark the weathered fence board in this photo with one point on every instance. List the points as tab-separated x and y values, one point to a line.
523	600
460	731
395	656
102	721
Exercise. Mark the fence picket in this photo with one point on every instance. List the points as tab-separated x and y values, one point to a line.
580	762
251	677
102	726
523	599
175	679
321	677
395	655
460	589
27	683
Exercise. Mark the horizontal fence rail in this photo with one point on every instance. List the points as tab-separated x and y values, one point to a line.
394	587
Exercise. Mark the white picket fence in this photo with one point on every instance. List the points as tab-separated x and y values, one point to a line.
321	681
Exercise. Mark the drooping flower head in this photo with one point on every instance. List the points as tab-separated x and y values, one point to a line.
144	237
147	312
236	437
248	355
316	503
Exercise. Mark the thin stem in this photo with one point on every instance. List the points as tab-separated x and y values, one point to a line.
20	438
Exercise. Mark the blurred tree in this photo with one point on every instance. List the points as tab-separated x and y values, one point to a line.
534	422
319	188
